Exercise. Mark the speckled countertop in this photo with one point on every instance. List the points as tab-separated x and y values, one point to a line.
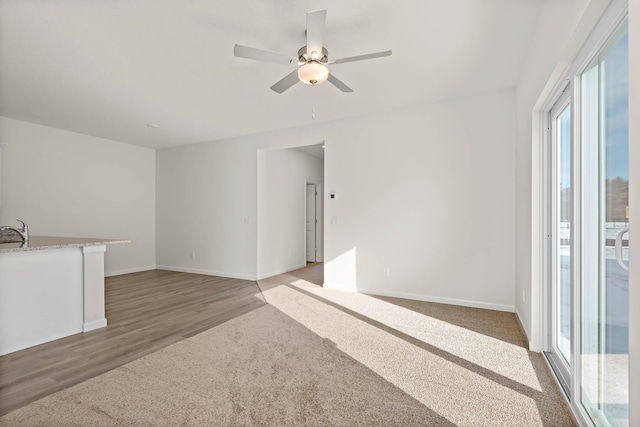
38	243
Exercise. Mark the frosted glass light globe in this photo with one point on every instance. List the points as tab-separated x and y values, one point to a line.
313	73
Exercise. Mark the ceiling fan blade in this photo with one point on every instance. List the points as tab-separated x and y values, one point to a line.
263	55
361	57
315	32
338	83
288	81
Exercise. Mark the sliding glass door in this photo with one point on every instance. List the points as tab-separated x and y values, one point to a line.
605	284
587	236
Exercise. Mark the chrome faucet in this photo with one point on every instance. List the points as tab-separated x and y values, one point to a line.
24	233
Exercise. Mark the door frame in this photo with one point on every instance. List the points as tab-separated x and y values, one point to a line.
566	98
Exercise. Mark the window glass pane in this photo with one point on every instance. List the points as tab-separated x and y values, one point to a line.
563	289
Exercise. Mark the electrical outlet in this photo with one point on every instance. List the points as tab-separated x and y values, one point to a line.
386	271
193	255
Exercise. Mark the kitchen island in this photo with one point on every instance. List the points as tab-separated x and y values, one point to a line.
50	288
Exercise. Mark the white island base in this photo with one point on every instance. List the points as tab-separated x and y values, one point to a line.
50	292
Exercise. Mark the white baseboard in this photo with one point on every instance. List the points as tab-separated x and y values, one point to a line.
534	348
96	324
281	271
206	272
526	332
129	271
427	298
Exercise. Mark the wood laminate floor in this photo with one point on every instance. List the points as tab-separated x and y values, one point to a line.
146	312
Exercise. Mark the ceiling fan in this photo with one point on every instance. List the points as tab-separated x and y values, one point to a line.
312	59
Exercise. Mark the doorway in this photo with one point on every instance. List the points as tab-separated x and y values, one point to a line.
282	225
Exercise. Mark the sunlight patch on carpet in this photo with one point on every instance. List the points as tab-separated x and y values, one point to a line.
384	353
502	357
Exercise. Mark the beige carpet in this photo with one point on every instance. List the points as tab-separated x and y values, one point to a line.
320	357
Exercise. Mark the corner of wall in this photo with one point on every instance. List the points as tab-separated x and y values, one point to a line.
533	346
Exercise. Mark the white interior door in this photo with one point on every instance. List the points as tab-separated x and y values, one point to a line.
311	223
319	224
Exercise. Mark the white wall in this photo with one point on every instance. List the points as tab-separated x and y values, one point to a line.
561	30
282	177
206	209
427	192
67	184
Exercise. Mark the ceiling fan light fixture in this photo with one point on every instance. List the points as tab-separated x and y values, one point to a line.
313	73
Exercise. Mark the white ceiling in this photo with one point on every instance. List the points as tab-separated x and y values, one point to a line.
109	68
